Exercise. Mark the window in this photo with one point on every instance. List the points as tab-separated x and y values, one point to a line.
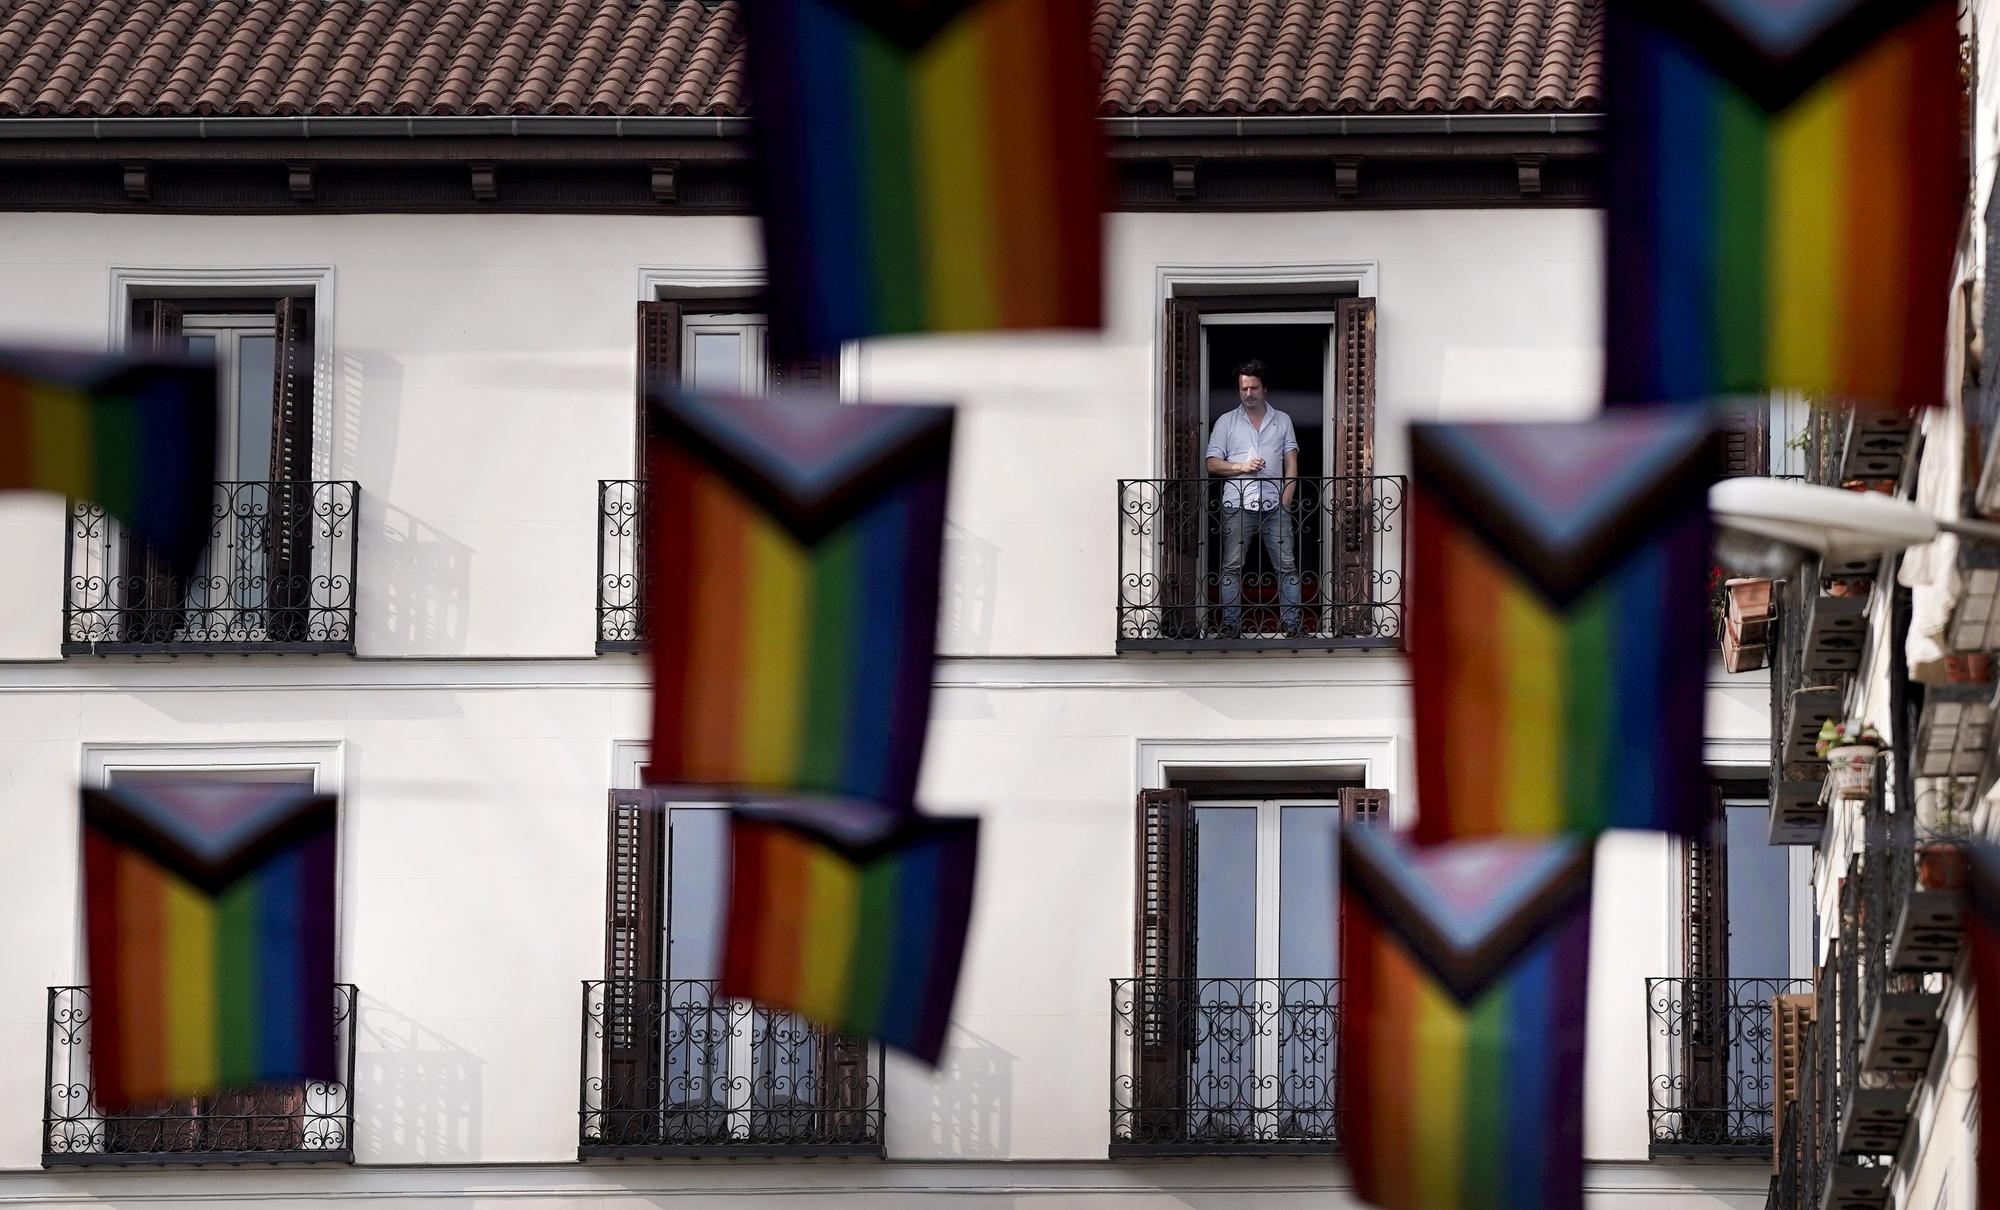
1322	567
1232	1014
709	343
1713	1057
678	1065
1266	956
279	567
725	354
305	1122
245	350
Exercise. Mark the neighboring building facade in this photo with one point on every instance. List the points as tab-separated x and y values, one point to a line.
419	235
1879	1066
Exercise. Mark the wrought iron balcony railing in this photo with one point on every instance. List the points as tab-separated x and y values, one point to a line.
1204	1066
1198	570
673	1067
1711	1063
621	572
271	1124
278	576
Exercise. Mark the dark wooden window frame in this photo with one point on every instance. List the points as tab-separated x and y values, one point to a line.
1184	429
155	318
1704	877
638	922
1165	911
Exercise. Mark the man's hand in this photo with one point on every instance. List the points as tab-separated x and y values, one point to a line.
1285	497
1251	467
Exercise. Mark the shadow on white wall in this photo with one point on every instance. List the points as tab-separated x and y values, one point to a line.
417	1093
971	1095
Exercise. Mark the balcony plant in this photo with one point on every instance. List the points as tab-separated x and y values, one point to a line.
1850	750
1941	856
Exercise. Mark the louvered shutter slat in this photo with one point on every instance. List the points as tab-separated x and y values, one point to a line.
152	593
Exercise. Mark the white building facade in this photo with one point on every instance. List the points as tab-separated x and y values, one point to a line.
438	626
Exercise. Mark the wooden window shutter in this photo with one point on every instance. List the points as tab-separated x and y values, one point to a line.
1746	438
659	364
1353	494
808	374
292	391
842	1072
153	595
288	526
1163	991
1182	495
1790	1015
1705	955
1364	808
635	906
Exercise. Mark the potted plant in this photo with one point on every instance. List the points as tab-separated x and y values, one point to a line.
1941	858
1850	750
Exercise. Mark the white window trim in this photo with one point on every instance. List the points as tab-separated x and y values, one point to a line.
1175	281
129	283
627	756
1379	761
100	761
324	758
753	366
657	283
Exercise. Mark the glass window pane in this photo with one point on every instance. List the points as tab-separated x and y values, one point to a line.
136	777
715	362
698	888
1226	892
201	344
256	364
1307	882
1760	925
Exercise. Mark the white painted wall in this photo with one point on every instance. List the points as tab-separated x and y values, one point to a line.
478	383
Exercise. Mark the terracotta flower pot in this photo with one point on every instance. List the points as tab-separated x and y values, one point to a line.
1975	668
1942	866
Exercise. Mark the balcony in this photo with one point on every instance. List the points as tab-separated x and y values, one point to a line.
1906	920
309	1123
1223	1066
278	576
1816	644
676	1068
1712	1064
1348	541
621	575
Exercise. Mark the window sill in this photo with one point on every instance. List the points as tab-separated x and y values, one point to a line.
196	1159
669	1151
1195	1148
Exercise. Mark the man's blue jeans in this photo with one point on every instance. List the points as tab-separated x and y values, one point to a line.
1275	525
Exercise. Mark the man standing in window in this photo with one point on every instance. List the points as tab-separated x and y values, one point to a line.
1247	446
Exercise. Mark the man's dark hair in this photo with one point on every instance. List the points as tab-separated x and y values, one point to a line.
1254	369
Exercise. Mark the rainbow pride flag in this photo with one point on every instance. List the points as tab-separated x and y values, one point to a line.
1558	623
1982	934
1462	1021
792	591
133	433
852	916
926	165
209	912
1785	187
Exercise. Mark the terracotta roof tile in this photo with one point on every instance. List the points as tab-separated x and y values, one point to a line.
242	57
